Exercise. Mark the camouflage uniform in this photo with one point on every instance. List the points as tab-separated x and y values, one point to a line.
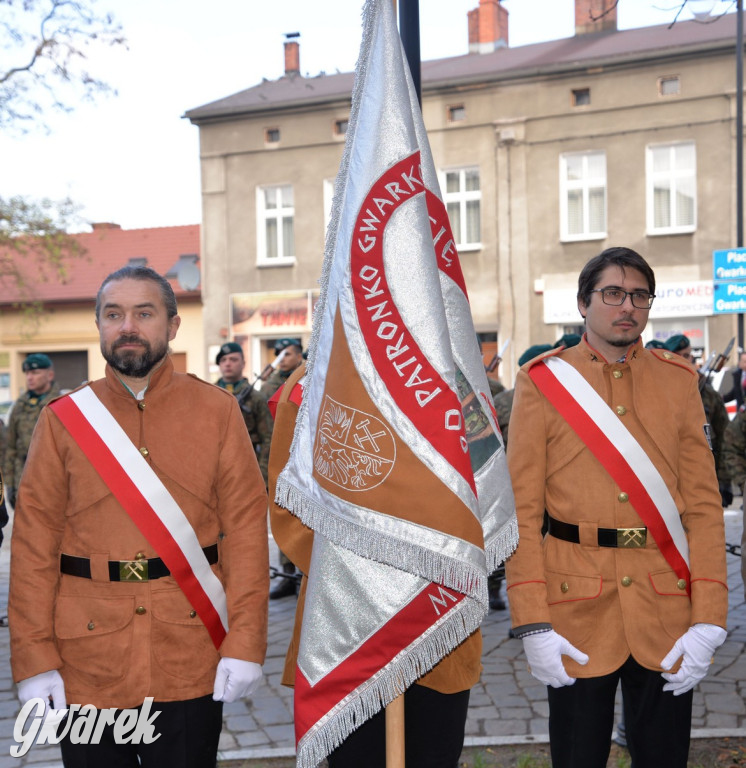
503	405
21	425
495	386
257	417
717	418
734	463
274	382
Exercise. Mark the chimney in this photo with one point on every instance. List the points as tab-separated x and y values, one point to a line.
488	27
292	54
595	16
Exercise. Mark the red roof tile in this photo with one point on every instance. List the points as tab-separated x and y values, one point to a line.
108	248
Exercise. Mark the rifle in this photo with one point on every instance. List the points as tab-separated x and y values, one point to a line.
716	361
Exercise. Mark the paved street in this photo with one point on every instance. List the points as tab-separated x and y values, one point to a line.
508	705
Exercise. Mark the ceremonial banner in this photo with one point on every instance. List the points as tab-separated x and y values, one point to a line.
396	463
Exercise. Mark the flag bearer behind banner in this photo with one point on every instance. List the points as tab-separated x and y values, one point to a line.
609	438
436	705
147	483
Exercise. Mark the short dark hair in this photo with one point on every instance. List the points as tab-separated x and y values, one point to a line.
618	257
141	273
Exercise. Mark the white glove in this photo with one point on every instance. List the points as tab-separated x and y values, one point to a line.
46	686
696	645
235	679
544	652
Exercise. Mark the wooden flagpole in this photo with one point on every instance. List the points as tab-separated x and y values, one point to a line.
395	733
409	30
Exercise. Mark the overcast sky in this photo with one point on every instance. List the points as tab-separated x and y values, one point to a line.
132	158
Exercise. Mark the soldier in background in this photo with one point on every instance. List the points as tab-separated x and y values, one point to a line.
291	359
715	411
734	462
41	389
254	408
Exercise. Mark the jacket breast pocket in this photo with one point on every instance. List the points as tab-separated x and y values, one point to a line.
573	603
181	644
94	636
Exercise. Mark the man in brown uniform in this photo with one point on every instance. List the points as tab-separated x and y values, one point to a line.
98	614
630	582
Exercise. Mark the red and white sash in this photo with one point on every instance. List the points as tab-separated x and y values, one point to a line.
147	501
619	453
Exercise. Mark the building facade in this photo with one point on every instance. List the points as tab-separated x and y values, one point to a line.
547	153
64	327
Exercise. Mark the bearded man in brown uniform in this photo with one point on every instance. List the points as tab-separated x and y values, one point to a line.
630	582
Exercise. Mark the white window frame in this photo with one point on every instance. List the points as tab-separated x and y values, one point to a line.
462	197
585	184
675	177
280	213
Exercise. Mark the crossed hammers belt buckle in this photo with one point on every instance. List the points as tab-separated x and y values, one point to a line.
133	570
630	538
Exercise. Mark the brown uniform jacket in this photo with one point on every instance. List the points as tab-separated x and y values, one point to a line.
458	671
115	643
611	602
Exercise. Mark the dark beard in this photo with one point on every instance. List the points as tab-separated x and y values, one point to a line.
130	363
620	343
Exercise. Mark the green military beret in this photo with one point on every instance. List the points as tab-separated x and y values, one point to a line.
655	344
227	348
281	344
532	352
567	340
36	361
677	343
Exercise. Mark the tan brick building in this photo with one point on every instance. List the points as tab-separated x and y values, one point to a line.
548	154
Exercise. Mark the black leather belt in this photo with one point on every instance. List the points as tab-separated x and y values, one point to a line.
142	569
624	538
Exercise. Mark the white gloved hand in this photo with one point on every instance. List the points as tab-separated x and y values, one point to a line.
696	645
235	679
45	685
544	652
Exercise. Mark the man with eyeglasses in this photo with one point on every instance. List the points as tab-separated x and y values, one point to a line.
608	441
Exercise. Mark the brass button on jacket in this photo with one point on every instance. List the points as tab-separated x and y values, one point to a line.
144	451
617	374
626	581
681	584
192	614
565	587
91	625
141	405
141	610
621	410
623	497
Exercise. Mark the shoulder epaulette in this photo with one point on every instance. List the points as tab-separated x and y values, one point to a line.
542	356
670	357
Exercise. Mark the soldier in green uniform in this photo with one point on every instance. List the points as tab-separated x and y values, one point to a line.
715	412
734	462
291	359
41	389
254	408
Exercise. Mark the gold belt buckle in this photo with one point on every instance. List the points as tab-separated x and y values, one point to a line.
133	570
630	538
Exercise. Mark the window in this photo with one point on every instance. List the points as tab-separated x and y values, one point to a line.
456	113
340	127
463	199
669	86
671	188
581	97
272	135
583	196
275	213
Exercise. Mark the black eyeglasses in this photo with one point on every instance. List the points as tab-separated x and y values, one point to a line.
615	297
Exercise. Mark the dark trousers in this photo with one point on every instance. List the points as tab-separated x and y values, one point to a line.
189	733
434	726
581	718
